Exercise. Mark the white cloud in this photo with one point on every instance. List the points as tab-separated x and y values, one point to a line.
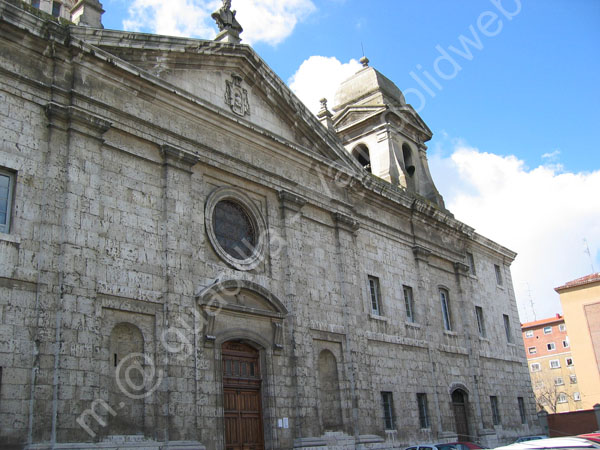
269	21
319	77
541	213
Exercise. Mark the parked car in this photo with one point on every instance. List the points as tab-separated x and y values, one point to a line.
460	446
447	446
552	443
530	438
591	436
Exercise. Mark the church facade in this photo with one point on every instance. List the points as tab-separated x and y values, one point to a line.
191	259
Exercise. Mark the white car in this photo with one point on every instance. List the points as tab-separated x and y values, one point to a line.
552	443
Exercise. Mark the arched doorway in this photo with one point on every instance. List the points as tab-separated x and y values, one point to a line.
459	405
241	396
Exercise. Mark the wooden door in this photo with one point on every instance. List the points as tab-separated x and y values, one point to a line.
459	405
241	394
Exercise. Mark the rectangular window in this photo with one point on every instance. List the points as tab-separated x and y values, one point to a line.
35	3
547	330
569	361
554	364
480	322
562	398
495	410
375	295
471	263
507	328
562	327
7	181
536	367
577	396
498	275
56	9
529	333
551	346
409	303
558	381
573	379
522	411
423	410
445	309
532	350
388	410
566	343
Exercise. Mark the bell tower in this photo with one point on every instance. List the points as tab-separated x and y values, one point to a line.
383	132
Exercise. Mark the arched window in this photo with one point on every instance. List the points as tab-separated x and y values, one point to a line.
409	165
445	303
361	153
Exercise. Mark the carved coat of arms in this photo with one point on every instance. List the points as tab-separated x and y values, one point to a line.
236	96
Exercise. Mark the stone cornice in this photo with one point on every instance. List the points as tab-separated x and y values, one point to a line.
178	156
291	201
73	117
345	222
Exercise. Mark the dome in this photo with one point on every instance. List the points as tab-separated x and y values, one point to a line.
368	87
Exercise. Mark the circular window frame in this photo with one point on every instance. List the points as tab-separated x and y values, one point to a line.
254	215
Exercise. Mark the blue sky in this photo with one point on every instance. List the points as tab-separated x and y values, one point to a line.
522	111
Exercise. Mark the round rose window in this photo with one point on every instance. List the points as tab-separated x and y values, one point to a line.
234	229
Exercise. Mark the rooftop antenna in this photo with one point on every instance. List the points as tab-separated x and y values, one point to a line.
587	250
362	48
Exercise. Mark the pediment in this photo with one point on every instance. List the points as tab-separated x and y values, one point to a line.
232	79
404	117
356	114
242	297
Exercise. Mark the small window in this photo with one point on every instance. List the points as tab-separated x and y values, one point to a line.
375	294
361	153
547	330
551	346
35	3
507	328
554	364
480	322
562	398
573	379
522	411
7	181
529	333
577	396
445	309
569	361
495	410
562	327
566	343
409	303
498	275
388	410
536	367
532	350
56	9
423	410
558	381
471	263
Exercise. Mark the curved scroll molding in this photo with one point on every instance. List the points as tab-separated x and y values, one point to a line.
230	288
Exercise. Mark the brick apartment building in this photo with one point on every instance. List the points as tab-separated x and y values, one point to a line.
551	365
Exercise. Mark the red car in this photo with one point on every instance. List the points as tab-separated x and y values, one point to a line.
591	437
